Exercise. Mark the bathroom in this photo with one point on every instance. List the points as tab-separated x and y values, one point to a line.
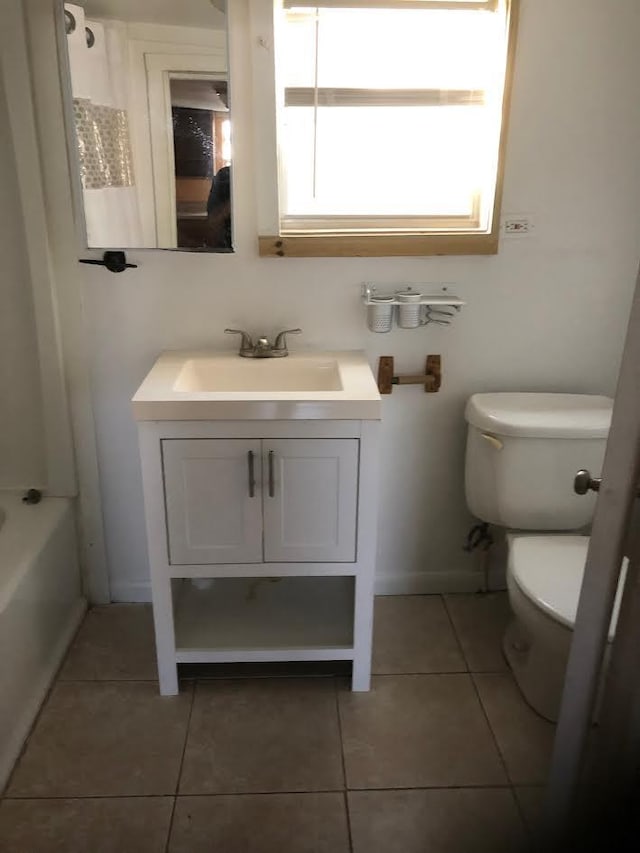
548	312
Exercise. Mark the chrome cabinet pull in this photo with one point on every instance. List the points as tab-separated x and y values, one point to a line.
272	487
252	479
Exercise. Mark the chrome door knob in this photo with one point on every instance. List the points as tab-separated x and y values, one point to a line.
584	482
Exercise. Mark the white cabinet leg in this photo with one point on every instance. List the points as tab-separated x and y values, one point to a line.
167	677
361	676
362	633
165	637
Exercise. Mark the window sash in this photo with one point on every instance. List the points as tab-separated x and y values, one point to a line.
352	210
446	5
309	96
291	225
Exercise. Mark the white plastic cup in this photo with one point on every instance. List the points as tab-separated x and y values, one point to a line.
409	311
380	314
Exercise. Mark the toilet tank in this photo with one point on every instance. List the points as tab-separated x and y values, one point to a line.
523	451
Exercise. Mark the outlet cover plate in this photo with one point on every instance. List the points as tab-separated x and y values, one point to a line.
517	225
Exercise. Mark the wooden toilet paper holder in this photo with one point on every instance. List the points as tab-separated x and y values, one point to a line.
431	378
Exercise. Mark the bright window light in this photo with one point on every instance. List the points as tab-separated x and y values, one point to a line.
390	118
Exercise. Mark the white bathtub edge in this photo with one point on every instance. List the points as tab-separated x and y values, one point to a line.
28	714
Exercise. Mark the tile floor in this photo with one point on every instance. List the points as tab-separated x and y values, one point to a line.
442	756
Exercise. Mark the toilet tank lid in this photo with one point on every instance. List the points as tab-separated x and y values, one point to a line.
533	415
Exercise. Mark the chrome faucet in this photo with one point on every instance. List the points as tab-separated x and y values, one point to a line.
263	348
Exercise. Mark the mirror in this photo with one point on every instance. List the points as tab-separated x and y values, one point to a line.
150	122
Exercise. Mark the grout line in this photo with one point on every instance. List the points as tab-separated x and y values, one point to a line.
520	811
344	766
342	759
493	734
170	827
183	682
186	680
505	786
455	633
179	776
30	798
493	787
345	797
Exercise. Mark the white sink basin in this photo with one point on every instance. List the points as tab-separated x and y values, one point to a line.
212	373
206	385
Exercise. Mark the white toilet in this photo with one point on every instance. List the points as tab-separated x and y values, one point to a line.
523	452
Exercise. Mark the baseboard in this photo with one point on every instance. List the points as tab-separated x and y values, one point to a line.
416	583
429	583
425	583
130	592
28	713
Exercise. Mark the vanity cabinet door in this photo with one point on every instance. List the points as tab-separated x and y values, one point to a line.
310	489
213	500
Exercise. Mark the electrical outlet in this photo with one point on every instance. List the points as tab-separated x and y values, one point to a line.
517	226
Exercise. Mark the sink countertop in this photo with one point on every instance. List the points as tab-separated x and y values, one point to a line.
158	399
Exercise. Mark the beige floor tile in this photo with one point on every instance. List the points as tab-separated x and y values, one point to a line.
412	633
135	825
267	823
265	735
461	820
531	801
104	739
416	731
524	738
480	621
114	642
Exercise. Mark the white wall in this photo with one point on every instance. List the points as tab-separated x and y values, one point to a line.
21	423
548	312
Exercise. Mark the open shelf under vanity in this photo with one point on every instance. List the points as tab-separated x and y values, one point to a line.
263	619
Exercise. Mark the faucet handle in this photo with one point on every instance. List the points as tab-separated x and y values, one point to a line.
246	343
281	338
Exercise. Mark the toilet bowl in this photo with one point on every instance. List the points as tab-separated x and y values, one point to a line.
523	451
544	578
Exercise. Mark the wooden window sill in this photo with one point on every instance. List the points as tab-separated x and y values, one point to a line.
377	245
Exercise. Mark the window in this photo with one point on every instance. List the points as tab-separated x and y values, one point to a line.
389	126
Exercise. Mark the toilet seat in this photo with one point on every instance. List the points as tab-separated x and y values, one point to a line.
548	570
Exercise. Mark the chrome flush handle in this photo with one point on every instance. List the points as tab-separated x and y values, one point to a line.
584	482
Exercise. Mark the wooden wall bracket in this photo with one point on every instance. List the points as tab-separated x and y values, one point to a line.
431	378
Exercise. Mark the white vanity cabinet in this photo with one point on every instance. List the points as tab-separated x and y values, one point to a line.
260	500
280	517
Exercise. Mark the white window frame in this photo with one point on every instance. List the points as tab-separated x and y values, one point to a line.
279	237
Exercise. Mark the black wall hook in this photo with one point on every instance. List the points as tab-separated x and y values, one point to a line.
113	261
